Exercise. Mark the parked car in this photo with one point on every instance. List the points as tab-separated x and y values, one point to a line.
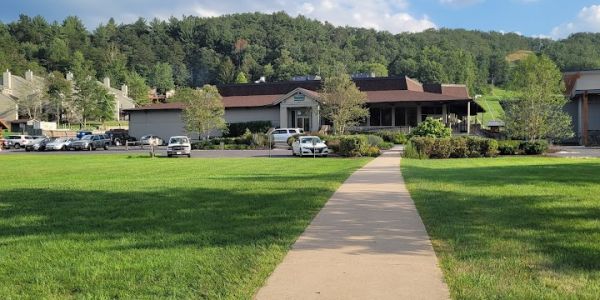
38	144
305	145
179	145
90	142
82	133
118	137
145	140
61	143
281	135
18	141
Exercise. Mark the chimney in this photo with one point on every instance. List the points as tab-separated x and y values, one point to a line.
69	76
107	82
7	81
125	90
29	75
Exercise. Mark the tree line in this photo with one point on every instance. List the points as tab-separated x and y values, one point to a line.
193	51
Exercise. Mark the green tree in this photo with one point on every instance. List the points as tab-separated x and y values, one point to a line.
204	111
432	128
138	89
241	78
226	71
343	103
162	77
60	93
538	111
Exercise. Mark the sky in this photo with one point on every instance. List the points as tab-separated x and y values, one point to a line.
538	18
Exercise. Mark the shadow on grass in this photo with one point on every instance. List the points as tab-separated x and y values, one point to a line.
523	208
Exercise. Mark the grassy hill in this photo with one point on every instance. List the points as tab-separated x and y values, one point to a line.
518	55
491	104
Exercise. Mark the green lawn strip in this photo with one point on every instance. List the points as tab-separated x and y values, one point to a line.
512	228
113	226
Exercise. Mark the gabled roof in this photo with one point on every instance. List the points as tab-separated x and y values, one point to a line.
312	94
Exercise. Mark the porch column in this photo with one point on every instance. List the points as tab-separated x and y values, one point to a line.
445	113
419	118
469	117
394	116
283	116
586	119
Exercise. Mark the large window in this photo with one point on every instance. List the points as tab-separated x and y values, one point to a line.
381	116
375	114
400	116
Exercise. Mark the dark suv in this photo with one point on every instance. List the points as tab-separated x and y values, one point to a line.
90	142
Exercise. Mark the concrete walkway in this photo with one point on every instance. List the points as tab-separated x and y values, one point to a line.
368	242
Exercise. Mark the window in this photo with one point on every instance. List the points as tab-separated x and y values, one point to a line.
412	116
375	114
400	116
386	116
280	131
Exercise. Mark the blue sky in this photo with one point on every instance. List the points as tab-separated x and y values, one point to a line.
548	18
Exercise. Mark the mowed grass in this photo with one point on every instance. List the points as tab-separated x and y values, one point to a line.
512	228
105	226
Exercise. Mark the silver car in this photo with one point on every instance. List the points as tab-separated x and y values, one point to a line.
61	143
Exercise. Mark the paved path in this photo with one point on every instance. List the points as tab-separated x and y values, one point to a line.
368	242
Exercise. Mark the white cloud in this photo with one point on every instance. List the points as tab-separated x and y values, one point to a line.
391	15
588	20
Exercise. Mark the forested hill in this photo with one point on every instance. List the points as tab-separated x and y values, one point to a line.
247	46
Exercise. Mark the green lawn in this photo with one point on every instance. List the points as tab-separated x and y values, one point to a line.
512	228
108	226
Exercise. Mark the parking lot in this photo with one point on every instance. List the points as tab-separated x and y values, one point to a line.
160	152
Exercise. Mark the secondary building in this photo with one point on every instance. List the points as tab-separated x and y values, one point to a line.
394	103
583	89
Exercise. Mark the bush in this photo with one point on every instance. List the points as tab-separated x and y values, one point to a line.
441	148
410	151
431	128
474	147
422	146
489	147
333	143
534	147
374	140
372	151
509	147
237	129
390	136
458	147
385	146
353	145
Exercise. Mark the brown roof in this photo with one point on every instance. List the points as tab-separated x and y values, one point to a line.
250	101
408	96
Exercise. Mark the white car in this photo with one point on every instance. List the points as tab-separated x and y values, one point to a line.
305	145
61	143
18	141
179	145
281	135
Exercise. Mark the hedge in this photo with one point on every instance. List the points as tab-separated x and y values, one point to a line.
514	147
353	145
237	129
391	136
456	147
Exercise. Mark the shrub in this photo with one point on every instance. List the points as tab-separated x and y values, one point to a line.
333	143
423	146
410	151
391	136
534	147
509	147
489	147
441	148
374	140
431	128
353	145
385	146
372	151
473	147
458	147
261	140
237	129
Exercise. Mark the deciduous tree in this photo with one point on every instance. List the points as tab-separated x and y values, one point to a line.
343	103
203	112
